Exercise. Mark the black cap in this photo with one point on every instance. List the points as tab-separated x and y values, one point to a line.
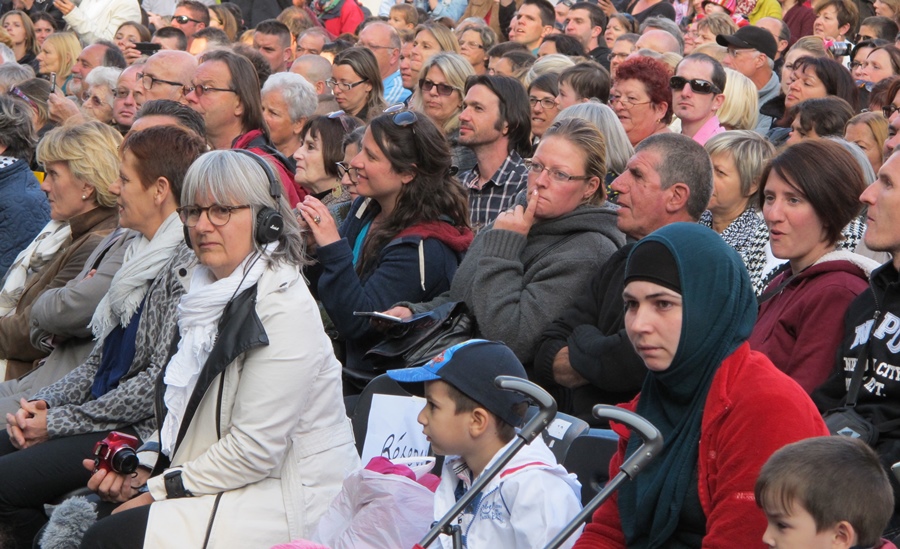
750	37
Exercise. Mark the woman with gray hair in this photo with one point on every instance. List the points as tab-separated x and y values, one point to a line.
738	159
474	43
287	101
618	148
100	93
255	431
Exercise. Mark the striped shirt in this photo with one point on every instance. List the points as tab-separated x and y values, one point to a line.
497	194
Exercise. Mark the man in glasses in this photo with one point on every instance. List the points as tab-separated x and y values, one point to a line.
190	16
165	74
384	42
751	52
225	91
697	94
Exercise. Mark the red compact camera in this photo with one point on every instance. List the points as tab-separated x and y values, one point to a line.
117	452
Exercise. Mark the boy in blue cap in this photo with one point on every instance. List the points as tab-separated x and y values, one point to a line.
472	422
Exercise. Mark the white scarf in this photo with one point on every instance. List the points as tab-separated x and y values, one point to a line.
42	250
198	317
143	261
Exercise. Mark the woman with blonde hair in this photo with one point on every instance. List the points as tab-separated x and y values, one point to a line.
618	148
21	30
58	55
430	38
356	83
740	111
221	17
869	130
439	95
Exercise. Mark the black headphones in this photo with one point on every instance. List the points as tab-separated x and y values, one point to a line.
269	223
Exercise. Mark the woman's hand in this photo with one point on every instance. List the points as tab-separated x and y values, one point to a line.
518	219
319	220
28	426
607	7
64	6
115	487
131	54
385	325
61	108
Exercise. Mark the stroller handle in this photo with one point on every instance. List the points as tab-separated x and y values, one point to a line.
545	403
653	441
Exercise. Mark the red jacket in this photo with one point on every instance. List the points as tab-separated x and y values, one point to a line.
350	18
801	328
293	192
751	411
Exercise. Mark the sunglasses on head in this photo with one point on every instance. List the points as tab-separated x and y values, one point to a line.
697	85
402	117
340	116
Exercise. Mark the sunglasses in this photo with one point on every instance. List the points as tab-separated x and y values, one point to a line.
18	93
402	117
889	110
183	19
697	86
442	89
341	116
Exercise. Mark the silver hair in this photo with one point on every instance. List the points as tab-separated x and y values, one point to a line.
618	147
6	54
298	93
555	62
858	154
13	74
682	160
231	178
664	24
107	77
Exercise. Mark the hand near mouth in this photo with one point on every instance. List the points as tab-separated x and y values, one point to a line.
518	219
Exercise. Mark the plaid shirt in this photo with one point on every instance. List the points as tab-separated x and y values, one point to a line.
497	194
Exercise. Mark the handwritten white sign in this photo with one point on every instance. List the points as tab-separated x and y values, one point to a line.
393	431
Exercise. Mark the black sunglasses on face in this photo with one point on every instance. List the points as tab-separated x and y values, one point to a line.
697	86
183	19
442	89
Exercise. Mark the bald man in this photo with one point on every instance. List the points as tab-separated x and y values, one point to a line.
659	41
383	41
166	73
316	69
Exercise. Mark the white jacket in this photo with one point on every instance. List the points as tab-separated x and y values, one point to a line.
98	19
524	506
285	442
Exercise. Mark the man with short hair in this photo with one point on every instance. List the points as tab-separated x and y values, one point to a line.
697	94
624	46
225	90
207	39
657	40
384	42
317	71
128	93
102	54
782	35
272	39
666	25
165	74
495	124
311	41
162	112
170	38
871	329
669	179
190	16
587	23
878	26
751	52
534	21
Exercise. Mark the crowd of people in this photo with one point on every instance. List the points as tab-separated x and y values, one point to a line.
686	208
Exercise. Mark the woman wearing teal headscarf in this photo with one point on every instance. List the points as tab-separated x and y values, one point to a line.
722	409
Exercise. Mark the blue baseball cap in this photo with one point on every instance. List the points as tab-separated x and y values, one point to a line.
471	367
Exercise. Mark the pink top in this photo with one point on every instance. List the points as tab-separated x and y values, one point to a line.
711	128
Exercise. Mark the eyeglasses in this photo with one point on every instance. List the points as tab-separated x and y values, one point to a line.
555	175
471	45
626	102
122	93
332	83
612	55
217	214
733	52
442	89
183	19
342	117
697	85
546	103
889	110
402	117
855	65
344	169
374	47
94	100
149	81
861	37
200	90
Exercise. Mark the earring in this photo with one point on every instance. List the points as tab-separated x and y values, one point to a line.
84	197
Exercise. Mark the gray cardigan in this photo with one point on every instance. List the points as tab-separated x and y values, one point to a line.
516	285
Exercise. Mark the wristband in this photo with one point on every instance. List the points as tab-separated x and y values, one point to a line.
175	486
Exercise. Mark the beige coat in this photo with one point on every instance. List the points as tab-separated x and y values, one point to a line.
286	443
